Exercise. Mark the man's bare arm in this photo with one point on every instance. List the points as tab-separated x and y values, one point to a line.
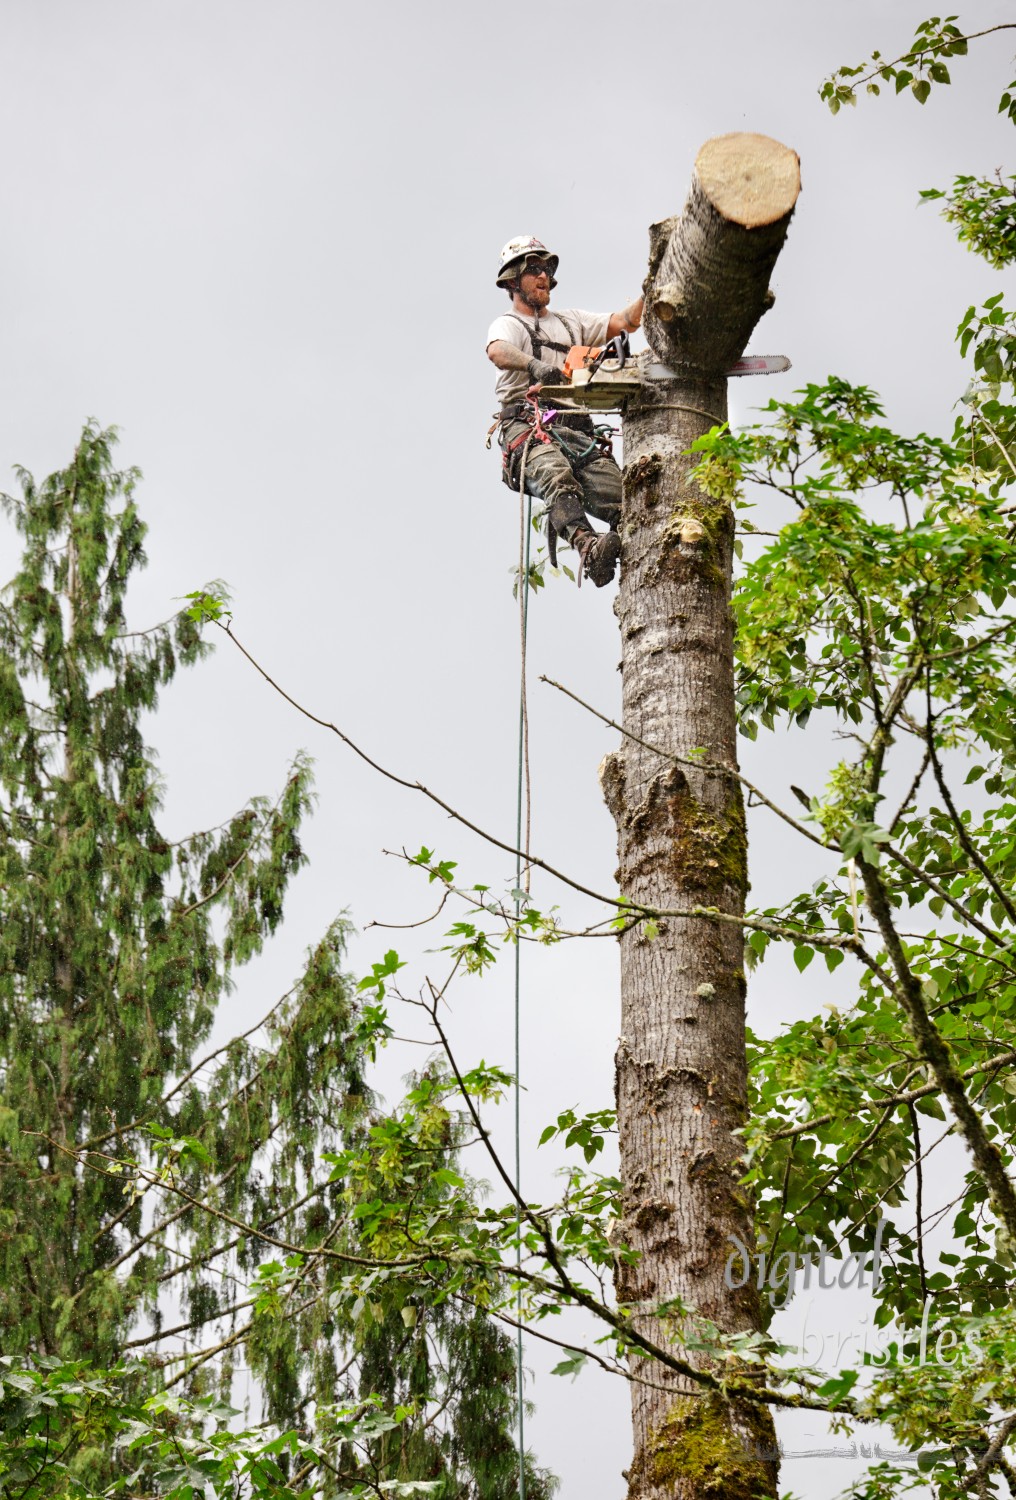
507	356
627	320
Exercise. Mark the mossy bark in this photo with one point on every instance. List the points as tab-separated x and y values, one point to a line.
681	1072
711	1448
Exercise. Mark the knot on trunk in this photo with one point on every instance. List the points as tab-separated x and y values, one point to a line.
611	775
702	850
668	302
689	530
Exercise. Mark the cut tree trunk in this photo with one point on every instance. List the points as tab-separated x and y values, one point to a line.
681	1073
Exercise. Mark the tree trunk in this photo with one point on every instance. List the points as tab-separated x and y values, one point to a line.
681	1075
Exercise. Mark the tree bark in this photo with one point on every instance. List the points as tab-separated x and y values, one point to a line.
681	1073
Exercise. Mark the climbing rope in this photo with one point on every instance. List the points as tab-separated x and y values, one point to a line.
525	533
539	432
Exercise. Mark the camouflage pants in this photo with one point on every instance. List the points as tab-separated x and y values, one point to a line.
573	486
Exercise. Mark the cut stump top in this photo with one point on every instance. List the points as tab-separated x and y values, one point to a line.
749	179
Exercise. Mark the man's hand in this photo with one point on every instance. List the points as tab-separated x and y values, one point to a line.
543	373
509	357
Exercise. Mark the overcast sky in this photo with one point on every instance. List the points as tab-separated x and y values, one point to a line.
262	239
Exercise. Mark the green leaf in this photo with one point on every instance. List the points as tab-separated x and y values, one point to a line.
840	1386
930	1106
803	957
929	1458
572	1365
862	840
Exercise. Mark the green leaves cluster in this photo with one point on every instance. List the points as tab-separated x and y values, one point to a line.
983	211
918	69
70	1434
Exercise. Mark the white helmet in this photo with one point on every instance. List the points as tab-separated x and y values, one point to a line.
520	249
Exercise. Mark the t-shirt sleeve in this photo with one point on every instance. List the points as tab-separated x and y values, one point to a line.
594	325
508	332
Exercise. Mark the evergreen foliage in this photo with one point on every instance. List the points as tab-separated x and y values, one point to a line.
138	1177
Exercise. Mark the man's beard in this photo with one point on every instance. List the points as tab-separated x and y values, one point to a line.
537	299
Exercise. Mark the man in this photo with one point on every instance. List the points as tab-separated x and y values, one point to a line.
573	473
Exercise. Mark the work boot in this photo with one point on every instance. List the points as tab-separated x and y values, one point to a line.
598	554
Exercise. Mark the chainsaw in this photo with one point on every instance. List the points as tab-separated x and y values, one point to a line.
599	377
584	362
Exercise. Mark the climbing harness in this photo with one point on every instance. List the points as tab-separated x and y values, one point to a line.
575	433
580	440
538	341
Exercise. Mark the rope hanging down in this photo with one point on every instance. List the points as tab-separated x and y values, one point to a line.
525	534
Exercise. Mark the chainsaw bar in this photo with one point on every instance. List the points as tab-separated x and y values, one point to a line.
760	364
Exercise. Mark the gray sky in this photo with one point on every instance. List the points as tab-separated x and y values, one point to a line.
262	239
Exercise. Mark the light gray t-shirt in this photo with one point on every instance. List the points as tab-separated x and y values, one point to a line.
571	326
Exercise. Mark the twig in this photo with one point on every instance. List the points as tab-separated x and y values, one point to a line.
247	1230
936	1051
994	1449
919	1180
917	52
418	786
405	926
912	793
168	1333
940	890
910	1097
966	841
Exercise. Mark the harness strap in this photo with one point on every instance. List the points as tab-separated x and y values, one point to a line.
538	341
523	437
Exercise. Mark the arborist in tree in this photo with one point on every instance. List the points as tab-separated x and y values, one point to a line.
567	463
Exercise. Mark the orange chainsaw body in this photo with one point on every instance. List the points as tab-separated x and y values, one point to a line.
579	357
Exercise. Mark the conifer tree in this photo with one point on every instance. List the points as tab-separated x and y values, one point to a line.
110	973
135	1174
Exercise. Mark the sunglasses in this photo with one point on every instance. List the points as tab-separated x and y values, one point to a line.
535	267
